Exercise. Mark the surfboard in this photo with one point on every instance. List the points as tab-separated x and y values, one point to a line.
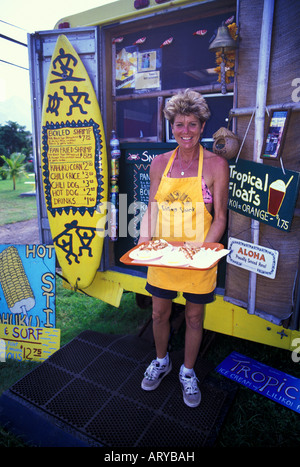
74	166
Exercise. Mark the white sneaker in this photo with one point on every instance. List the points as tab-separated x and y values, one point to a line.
190	391
154	375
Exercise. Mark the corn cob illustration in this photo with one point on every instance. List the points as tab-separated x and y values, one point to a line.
15	284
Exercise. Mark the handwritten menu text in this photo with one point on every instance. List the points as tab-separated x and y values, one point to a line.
72	173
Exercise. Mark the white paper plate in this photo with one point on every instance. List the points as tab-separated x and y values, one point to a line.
149	255
205	258
174	259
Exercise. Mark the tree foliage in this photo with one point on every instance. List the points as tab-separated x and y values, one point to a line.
14	166
14	138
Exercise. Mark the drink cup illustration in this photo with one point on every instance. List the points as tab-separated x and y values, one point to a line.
277	191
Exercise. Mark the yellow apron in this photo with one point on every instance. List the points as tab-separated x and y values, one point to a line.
182	216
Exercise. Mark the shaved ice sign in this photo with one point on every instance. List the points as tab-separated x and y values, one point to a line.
27	301
27	285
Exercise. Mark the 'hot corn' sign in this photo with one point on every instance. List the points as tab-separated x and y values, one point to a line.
27	301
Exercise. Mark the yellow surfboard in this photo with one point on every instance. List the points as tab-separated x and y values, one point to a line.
74	166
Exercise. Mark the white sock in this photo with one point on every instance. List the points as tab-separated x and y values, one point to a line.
187	371
163	361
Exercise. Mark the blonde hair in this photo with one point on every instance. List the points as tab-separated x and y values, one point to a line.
186	103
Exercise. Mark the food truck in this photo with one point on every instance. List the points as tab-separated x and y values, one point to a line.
140	53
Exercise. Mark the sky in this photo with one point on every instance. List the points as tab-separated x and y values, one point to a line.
26	17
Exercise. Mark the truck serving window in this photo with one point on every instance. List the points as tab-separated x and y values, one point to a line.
137	119
150	65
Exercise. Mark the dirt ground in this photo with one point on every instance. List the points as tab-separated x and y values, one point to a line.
20	233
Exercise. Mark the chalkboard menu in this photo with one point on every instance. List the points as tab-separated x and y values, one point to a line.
134	186
140	167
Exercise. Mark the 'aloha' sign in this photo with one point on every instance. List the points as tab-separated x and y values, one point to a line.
252	257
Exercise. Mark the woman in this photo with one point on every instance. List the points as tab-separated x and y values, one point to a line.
186	187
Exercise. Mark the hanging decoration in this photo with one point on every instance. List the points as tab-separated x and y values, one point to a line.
200	32
229	55
167	42
229	20
139	41
117	40
226	143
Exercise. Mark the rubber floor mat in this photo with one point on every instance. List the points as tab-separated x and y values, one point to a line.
91	388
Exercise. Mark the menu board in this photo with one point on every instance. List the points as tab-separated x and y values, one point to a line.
70	169
140	160
134	183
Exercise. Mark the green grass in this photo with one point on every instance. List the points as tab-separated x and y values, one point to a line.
13	207
77	312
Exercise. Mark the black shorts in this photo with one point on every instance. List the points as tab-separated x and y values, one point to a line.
171	294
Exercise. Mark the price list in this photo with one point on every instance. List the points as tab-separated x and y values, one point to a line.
71	165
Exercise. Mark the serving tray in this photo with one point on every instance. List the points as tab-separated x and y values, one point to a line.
217	251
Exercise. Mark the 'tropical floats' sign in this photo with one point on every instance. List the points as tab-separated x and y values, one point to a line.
264	193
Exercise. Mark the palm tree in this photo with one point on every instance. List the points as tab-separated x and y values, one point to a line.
14	166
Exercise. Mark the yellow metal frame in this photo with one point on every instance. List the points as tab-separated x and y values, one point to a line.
220	316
